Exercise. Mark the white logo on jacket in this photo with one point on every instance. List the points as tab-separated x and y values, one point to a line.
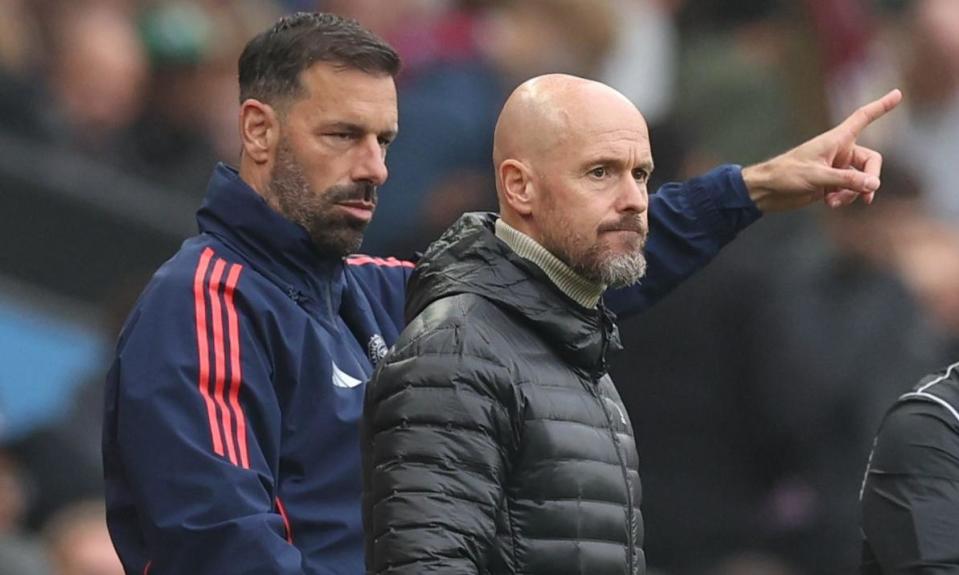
376	349
343	379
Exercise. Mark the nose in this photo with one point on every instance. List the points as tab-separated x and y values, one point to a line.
370	164
635	197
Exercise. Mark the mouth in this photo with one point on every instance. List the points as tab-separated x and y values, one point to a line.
358	209
633	231
627	238
628	224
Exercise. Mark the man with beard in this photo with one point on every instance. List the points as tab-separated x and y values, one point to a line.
231	440
494	440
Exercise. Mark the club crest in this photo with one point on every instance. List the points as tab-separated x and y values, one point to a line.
376	348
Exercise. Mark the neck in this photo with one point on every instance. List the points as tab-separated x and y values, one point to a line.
255	176
579	289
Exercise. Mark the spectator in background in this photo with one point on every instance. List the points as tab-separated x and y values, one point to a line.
912	42
19	63
734	82
170	144
79	543
17	38
20	553
918	248
62	460
524	38
98	74
189	116
643	59
925	254
929	139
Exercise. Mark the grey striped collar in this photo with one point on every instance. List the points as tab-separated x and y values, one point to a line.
578	288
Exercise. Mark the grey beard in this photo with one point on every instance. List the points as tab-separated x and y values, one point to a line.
613	271
623	270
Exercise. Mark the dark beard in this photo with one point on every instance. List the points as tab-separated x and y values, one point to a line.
290	194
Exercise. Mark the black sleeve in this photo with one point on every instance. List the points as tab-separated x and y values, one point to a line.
910	500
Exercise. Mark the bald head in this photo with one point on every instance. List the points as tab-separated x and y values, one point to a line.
551	111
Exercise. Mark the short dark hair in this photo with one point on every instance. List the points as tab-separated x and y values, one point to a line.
271	62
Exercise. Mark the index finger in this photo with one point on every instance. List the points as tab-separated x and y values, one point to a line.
871	112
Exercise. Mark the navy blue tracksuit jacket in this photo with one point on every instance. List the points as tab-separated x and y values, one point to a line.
231	434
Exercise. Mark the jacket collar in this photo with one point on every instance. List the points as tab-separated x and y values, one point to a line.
469	258
278	248
578	288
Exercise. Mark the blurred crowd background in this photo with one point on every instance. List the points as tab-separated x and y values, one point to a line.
754	389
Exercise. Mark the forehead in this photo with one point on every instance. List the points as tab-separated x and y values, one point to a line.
625	138
347	94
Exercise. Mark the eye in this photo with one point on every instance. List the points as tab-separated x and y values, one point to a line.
640	175
599	172
341	137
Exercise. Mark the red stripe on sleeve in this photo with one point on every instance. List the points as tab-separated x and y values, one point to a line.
203	349
388	262
219	356
236	373
286	521
393	262
359	260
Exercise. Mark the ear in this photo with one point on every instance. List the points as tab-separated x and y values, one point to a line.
259	130
518	191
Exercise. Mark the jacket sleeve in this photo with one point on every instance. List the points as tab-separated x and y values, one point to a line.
437	438
689	223
191	438
910	498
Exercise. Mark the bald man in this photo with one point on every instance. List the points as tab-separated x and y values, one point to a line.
494	439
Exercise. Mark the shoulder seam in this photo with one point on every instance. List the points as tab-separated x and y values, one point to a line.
923	396
939	379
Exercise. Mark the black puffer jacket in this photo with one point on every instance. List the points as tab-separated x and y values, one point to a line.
494	441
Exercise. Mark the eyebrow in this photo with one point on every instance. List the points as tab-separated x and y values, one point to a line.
352	128
614	161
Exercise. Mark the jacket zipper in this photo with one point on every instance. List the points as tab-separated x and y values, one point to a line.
298	298
630	512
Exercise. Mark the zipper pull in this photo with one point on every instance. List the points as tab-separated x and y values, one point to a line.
293	294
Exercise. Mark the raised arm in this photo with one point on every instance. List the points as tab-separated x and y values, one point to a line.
833	166
690	222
